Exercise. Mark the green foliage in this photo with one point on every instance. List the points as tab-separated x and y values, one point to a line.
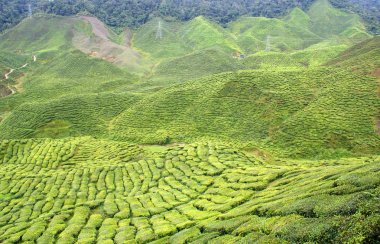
188	193
138	13
270	106
209	170
363	58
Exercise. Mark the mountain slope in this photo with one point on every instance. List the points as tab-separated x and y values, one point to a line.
144	137
254	106
363	57
250	107
327	21
134	14
52	33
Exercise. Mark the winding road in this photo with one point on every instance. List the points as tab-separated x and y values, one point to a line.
12	70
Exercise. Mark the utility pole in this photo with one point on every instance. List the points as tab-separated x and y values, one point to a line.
267	45
159	31
30	12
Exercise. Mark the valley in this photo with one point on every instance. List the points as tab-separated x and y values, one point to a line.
262	130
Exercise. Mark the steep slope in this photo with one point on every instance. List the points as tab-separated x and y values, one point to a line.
52	33
59	71
298	17
254	106
246	107
327	21
363	57
166	39
12	67
40	34
96	41
248	43
200	33
195	65
255	32
159	39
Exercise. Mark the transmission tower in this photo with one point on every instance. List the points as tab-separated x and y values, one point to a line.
30	12
267	44
159	31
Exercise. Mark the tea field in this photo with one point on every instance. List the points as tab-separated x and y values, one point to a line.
81	190
264	130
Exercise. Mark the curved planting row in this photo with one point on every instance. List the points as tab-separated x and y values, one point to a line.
79	191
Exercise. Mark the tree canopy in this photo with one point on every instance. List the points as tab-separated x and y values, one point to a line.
132	13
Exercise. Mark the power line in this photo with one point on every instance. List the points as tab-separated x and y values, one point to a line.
30	12
159	31
267	44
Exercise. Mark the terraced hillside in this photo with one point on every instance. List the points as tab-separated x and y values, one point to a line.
84	191
303	112
296	40
362	58
262	131
12	67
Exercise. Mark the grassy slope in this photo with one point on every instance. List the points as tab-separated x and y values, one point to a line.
345	25
179	39
85	190
300	108
294	41
195	65
8	61
363	57
252	33
182	112
65	93
96	190
41	34
246	107
83	92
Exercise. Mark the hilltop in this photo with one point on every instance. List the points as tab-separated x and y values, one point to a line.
284	99
134	14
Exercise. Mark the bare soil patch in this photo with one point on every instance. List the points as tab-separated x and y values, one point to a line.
376	72
101	46
98	27
4	91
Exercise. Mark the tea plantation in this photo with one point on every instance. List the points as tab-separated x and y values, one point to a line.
84	191
265	130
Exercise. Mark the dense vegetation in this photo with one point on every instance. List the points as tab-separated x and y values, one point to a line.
136	13
261	130
91	191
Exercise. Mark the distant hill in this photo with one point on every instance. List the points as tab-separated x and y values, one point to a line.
285	84
363	57
200	124
121	13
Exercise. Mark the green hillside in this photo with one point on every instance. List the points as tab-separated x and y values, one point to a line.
85	191
251	106
206	62
327	21
363	57
264	130
165	39
293	41
38	35
11	69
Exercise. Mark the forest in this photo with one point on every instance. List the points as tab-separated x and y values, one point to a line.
133	13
